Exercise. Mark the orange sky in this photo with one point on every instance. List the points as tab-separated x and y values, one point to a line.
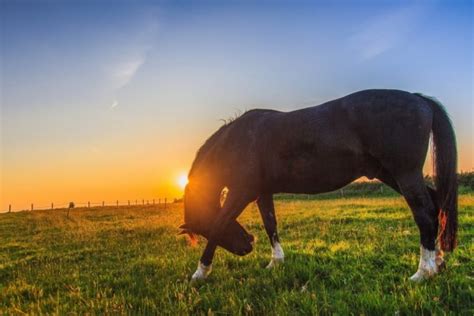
84	174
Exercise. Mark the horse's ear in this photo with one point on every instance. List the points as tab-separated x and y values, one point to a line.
223	196
193	241
192	238
184	229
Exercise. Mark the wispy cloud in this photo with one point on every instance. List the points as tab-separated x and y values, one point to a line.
125	71
114	104
384	32
131	54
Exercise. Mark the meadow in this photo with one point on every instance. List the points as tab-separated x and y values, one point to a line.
343	256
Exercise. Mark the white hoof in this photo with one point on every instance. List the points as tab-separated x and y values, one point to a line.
278	256
418	276
274	262
202	272
430	264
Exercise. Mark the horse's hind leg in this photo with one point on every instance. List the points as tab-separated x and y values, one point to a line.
439	253
267	211
389	180
424	211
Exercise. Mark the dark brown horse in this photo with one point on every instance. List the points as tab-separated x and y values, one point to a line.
381	134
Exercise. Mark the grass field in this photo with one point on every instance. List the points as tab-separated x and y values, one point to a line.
344	256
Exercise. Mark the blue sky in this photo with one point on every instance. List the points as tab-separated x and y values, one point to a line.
130	89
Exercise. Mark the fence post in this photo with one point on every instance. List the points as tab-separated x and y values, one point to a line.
128	202
165	202
143	201
153	201
381	189
88	204
52	206
117	203
32	206
103	203
342	192
159	201
9	208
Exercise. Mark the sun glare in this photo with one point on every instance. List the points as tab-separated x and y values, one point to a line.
182	181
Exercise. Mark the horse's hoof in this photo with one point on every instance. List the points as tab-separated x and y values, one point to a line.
197	277
423	274
430	264
275	262
417	277
202	272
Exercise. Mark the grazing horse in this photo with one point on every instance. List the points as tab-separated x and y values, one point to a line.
382	134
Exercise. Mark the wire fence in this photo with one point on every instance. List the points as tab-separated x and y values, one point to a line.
117	203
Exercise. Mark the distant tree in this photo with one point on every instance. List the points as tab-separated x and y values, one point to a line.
71	205
466	179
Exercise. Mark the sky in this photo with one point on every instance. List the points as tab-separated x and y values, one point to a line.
110	100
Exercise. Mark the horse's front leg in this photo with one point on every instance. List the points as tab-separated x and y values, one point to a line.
233	206
267	211
205	263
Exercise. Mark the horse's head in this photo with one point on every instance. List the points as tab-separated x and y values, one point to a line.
202	204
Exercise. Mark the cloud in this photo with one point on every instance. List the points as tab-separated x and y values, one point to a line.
384	32
114	104
128	54
130	50
124	72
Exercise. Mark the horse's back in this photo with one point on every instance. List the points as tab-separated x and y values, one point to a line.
337	141
344	139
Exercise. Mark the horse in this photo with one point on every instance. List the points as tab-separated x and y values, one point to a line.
380	134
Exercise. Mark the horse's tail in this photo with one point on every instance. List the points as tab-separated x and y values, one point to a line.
445	166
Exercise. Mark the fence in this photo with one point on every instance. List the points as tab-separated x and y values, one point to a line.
137	202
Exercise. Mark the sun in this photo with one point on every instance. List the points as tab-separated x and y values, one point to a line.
182	181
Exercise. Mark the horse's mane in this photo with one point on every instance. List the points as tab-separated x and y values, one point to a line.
209	144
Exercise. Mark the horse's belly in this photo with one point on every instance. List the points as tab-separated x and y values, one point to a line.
316	174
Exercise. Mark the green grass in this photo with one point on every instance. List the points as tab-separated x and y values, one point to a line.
343	256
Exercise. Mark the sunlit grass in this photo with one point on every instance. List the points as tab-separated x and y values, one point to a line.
343	256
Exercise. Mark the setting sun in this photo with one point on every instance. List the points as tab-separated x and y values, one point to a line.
182	181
